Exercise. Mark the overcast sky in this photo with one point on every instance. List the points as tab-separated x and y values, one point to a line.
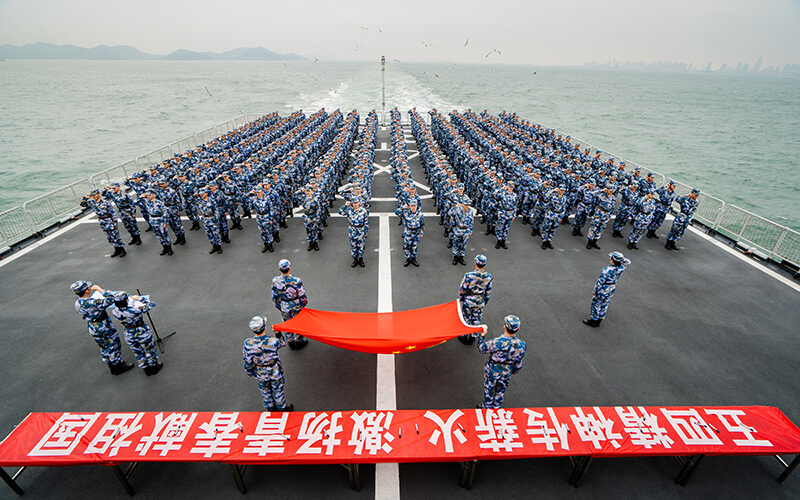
553	32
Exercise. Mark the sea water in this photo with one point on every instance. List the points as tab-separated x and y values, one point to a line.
735	137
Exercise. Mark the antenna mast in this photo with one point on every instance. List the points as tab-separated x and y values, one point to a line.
383	89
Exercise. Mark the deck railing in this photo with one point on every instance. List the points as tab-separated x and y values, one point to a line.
761	236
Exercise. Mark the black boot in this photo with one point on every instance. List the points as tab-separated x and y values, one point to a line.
237	225
497	245
195	226
526	220
283	224
535	232
181	240
266	247
589	245
461	260
213	249
310	246
299	344
135	240
270	247
360	261
288	407
632	246
324	223
408	263
149	228
219	248
595	245
449	243
544	245
117	252
617	234
466	339
166	250
316	246
276	236
226	239
414	262
119	368
320	236
456	260
503	244
292	345
355	262
650	234
565	220
441	220
152	370
594	323
488	230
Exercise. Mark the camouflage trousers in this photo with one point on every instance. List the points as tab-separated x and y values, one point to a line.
550	225
272	392
212	230
581	214
659	214
160	228
639	227
598	224
172	216
106	336
678	227
503	224
460	238
109	227
312	225
129	221
538	216
291	337
191	213
411	239
600	304
495	383
140	340
358	236
623	216
264	223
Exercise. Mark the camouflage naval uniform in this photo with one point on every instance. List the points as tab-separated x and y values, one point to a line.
506	205
626	206
357	230
506	355
665	198
263	208
556	206
127	210
137	333
605	287
158	214
289	298
207	210
644	213
108	222
474	293
311	220
172	214
413	228
688	208
463	224
603	208
586	200
93	310
261	361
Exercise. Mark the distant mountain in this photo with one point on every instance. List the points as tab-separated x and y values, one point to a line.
126	53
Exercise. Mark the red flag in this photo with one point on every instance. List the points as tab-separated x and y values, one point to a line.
382	333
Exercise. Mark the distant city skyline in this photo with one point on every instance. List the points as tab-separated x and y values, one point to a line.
536	32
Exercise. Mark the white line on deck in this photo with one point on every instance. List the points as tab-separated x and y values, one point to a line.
387	476
37	245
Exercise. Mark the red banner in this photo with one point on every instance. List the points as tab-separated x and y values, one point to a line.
382	333
51	439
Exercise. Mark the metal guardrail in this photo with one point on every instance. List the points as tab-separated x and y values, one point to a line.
57	205
15	226
114	174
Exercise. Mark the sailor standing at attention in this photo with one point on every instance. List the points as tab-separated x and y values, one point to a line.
474	293
605	287
289	298
506	355
158	213
91	305
413	227
127	211
689	206
108	222
357	230
261	361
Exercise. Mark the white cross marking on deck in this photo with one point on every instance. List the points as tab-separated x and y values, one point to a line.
387	476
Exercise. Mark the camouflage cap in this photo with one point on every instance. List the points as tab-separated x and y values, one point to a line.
511	323
80	286
258	323
480	259
284	265
617	256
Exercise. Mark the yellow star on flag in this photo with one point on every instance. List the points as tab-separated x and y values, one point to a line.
411	347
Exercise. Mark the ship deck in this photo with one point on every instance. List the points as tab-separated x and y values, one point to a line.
703	326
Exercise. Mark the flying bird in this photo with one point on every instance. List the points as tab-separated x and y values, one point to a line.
380	31
465	43
358	47
490	53
437	76
315	60
398	60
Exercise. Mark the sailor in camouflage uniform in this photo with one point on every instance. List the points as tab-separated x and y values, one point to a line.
474	293
506	355
127	211
556	205
357	230
172	214
129	310
262	206
603	208
413	228
188	189
157	211
261	361
506	205
643	214
630	195
688	208
311	217
586	200
289	298
463	224
93	311
666	194
605	287
108	222
207	210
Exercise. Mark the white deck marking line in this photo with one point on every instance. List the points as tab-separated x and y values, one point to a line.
38	244
387	475
744	258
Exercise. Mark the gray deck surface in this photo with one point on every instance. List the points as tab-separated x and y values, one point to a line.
697	327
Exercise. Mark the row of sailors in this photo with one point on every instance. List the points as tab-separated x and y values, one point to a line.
162	199
409	206
358	190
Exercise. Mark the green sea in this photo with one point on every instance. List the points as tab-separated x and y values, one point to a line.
735	137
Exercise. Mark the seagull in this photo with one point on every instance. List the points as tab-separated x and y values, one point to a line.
380	31
315	60
398	60
364	28
358	47
437	76
530	90
465	43
490	53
